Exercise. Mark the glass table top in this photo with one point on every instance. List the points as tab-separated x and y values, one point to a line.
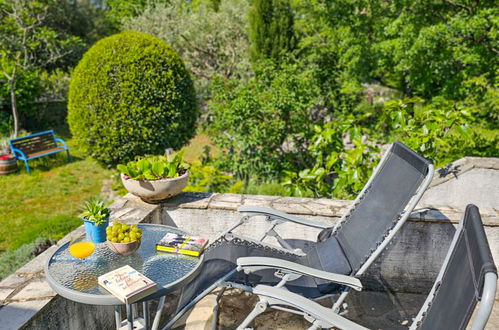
76	279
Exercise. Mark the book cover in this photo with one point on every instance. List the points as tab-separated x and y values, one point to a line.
177	243
127	284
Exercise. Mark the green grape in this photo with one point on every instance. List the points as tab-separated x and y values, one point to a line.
138	235
133	236
108	230
126	240
121	236
114	240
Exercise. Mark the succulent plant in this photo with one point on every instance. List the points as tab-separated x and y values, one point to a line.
96	210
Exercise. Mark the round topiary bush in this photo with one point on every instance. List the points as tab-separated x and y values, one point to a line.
131	95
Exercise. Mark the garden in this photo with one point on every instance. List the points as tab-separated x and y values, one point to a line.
272	97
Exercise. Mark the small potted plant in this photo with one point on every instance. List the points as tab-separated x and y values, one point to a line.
96	219
8	163
155	178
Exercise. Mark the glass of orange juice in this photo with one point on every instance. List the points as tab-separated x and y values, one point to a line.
79	248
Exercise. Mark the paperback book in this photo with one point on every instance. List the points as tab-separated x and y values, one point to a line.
127	284
177	243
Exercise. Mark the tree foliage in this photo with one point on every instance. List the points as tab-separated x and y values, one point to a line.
210	42
441	130
271	32
27	45
435	48
266	121
131	95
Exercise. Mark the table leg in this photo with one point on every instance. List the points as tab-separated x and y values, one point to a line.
117	316
157	317
145	307
129	317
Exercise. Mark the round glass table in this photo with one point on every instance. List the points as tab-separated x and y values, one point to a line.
76	279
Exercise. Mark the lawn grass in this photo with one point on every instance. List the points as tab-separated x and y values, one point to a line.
195	150
45	202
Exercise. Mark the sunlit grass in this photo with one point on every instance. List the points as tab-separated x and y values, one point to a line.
195	150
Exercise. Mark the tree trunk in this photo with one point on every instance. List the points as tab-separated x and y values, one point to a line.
13	100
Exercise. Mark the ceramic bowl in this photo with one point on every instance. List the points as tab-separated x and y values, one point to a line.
124	249
154	191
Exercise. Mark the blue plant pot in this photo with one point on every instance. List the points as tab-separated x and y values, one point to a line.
96	234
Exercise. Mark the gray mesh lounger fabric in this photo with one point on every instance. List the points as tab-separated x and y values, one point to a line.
381	206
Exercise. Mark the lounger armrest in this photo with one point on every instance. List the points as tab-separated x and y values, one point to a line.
252	264
257	210
326	316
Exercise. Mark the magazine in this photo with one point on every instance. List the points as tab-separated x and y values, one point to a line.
184	244
127	284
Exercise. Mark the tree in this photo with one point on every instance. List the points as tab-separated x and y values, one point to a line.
436	48
120	10
26	44
210	42
131	95
271	29
267	121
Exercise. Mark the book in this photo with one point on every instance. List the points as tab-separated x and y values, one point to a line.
184	244
127	284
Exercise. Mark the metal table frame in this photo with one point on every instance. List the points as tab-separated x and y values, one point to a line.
109	299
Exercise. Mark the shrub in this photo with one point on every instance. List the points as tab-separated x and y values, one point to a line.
207	178
271	189
48	228
131	95
14	259
337	171
266	123
441	130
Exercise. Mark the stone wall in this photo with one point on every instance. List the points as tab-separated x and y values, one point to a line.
409	264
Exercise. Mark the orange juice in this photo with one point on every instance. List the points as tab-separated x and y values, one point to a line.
82	249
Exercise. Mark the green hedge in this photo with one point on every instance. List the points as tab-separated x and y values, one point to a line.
131	95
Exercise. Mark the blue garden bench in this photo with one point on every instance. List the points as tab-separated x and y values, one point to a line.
37	145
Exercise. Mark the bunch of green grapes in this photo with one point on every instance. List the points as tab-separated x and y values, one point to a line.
123	233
